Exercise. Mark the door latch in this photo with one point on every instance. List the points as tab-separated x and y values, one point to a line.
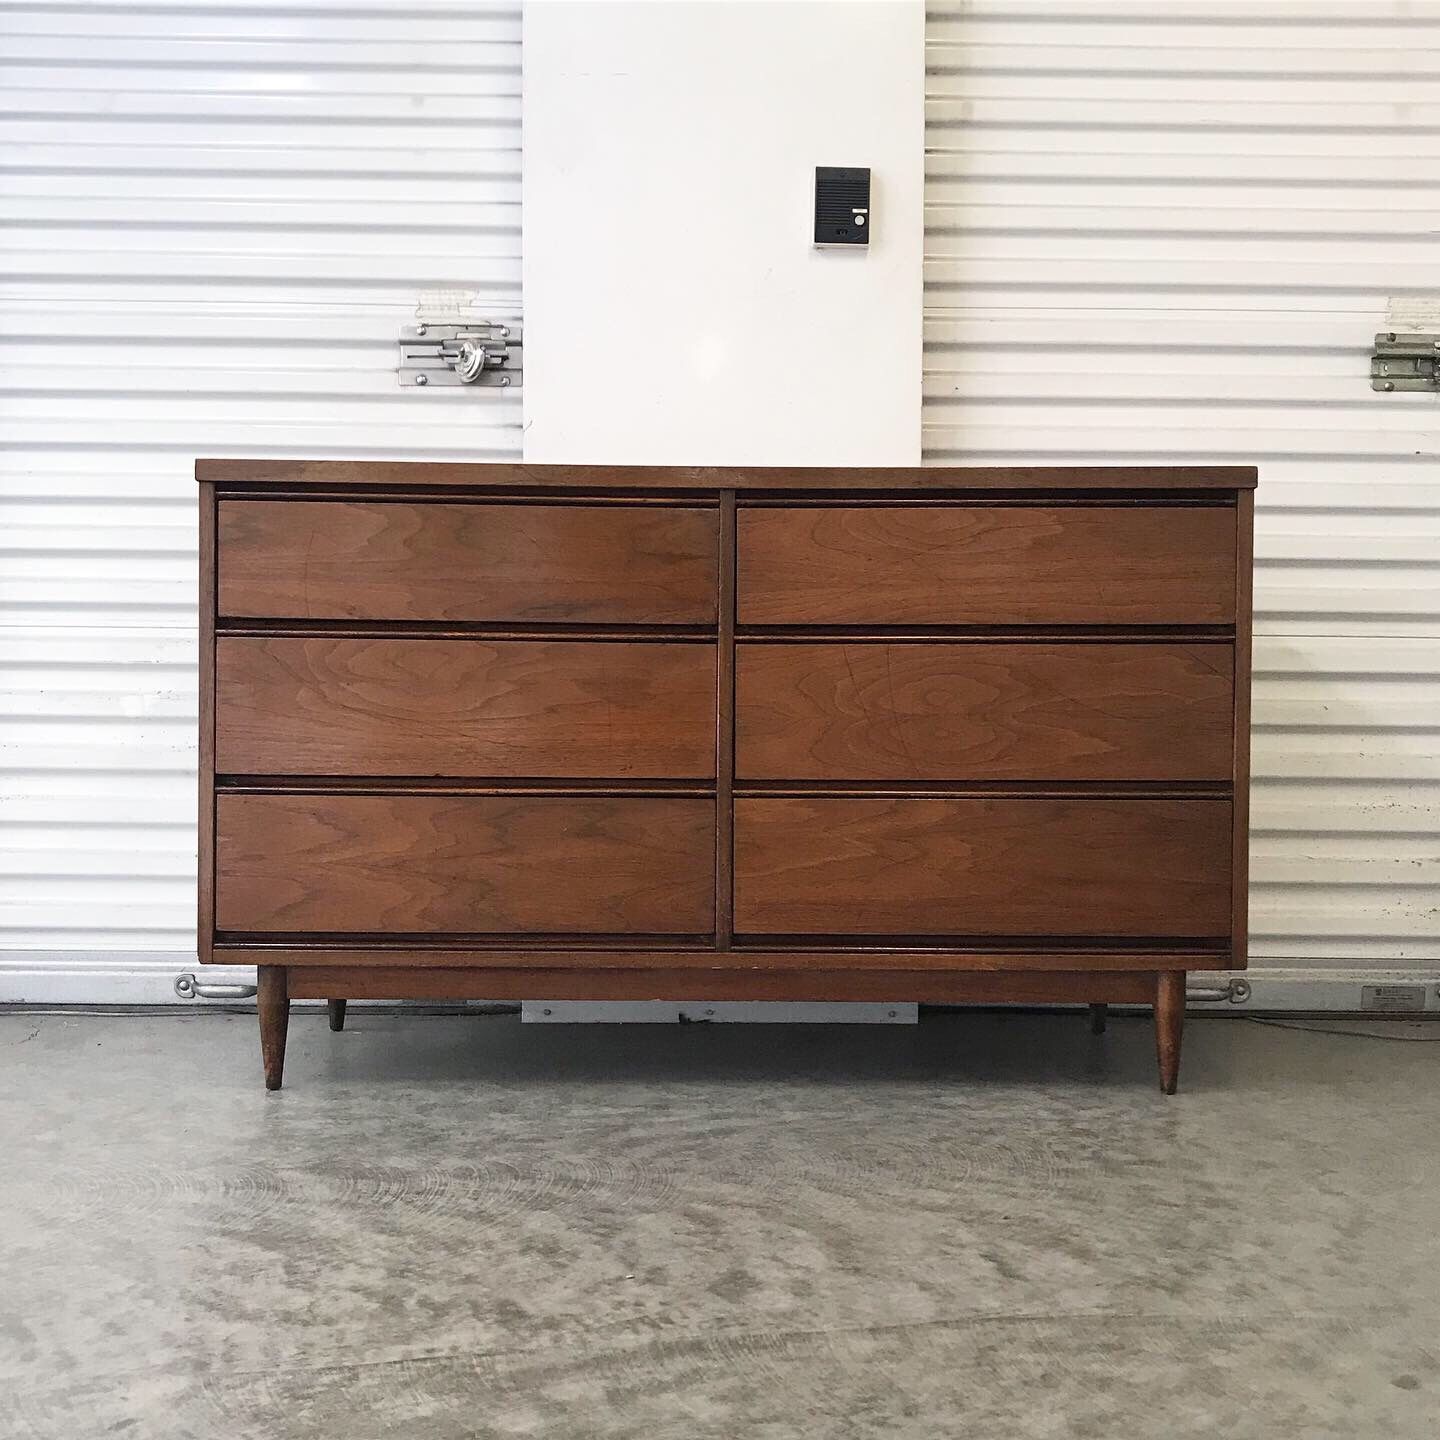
480	352
1235	992
187	987
1405	362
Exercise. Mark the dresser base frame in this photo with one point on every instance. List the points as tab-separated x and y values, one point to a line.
318	980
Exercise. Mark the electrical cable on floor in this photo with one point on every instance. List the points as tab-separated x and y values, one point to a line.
1381	1029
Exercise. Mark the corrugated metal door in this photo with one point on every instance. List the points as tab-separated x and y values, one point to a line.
1171	231
217	217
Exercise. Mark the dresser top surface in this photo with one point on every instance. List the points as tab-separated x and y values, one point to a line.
421	475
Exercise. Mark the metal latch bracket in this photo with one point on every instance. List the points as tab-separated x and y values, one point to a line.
1405	362
187	987
478	353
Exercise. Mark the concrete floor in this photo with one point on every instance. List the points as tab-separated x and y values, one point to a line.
988	1226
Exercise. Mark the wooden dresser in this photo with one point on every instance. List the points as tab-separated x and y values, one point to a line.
571	732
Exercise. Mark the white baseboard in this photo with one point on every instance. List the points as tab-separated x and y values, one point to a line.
110	977
1363	988
105	977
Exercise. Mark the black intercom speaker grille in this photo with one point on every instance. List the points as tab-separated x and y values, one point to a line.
842	204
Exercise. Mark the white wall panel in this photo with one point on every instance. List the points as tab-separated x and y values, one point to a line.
216	219
669	194
1168	233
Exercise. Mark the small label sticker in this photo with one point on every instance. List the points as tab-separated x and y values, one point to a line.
1392	998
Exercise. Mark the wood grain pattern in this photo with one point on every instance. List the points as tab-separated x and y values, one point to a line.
426	864
982	867
272	1004
205	827
979	565
1169	1026
881	711
1240	849
1060	988
551	665
399	474
1075	958
387	706
334	559
725	731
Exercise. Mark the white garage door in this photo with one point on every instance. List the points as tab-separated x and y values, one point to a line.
1159	232
1155	232
217	218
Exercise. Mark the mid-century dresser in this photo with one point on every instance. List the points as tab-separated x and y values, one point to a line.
575	732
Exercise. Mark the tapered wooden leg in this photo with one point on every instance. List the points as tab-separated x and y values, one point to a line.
1169	1023
1098	1015
337	1013
272	1000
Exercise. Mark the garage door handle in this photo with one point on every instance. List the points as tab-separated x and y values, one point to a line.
187	987
1237	992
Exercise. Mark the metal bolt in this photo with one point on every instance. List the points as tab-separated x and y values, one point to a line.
547	1012
504	381
1391	337
422	379
505	333
709	1012
891	1013
420	330
1388	385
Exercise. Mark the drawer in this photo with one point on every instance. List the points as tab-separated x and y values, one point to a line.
479	708
469	864
883	711
986	565
1125	868
371	560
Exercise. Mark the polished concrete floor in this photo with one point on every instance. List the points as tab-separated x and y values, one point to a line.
989	1226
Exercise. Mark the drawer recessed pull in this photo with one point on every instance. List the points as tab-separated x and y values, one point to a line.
187	987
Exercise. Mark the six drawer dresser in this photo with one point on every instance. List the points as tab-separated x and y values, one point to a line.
589	733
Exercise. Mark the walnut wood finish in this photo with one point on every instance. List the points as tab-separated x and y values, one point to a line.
1124	867
429	474
725	732
1240	833
932	988
205	827
981	734
885	711
890	957
1169	1025
422	864
272	1002
983	565
313	705
353	560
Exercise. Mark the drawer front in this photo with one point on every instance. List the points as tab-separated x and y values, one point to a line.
438	864
475	708
986	565
881	711
357	560
998	867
